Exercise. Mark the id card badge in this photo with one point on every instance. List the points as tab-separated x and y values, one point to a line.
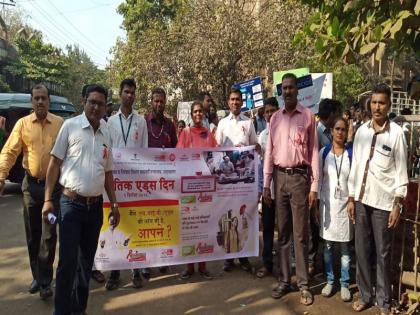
337	192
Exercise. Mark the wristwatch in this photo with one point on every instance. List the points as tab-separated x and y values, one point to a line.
114	206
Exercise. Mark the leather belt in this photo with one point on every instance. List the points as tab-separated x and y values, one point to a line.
293	170
35	180
82	199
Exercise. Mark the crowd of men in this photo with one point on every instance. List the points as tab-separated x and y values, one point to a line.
68	167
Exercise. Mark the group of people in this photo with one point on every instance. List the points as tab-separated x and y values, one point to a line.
319	180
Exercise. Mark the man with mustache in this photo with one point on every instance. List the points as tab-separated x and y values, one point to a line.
377	186
35	135
291	160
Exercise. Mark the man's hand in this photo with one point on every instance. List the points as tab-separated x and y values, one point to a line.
116	215
267	195
351	211
47	208
394	217
312	199
2	184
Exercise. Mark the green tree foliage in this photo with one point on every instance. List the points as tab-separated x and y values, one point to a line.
346	29
206	45
80	71
39	61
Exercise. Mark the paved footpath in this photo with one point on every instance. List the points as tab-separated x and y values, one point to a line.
228	293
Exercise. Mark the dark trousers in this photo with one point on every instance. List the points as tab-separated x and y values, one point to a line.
291	199
80	226
313	244
268	222
372	236
41	237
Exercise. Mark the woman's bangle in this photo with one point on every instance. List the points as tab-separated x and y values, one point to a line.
48	200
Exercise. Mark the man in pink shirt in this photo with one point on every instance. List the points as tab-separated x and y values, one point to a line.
291	159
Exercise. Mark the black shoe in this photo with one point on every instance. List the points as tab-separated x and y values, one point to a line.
146	273
34	287
137	280
246	266
45	292
113	281
98	276
228	266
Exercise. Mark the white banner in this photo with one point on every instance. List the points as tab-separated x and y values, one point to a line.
179	206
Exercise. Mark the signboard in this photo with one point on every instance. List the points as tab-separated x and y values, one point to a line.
183	112
252	94
180	206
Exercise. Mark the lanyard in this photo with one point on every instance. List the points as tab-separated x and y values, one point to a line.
338	170
125	136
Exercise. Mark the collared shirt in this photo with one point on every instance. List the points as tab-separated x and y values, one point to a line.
262	140
35	140
226	167
236	131
324	135
133	129
86	155
387	169
161	135
292	141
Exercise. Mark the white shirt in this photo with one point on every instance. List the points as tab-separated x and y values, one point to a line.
236	131
86	155
334	222
262	140
136	134
387	174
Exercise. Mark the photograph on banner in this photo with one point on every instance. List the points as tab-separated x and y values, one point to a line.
179	206
252	96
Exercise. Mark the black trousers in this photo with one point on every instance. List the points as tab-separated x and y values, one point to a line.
41	237
268	222
372	236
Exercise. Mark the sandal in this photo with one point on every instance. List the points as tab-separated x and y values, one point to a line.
280	291
360	306
262	272
306	297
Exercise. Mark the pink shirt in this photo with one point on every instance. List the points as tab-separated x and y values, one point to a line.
292	141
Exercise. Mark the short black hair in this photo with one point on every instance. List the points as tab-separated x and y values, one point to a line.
271	101
38	87
84	88
109	104
181	122
235	91
158	90
326	108
289	75
96	88
202	95
128	82
392	115
382	88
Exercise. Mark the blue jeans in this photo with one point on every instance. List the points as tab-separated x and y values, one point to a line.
80	226
345	262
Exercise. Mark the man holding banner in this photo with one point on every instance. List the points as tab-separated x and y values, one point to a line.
236	130
128	130
83	138
292	160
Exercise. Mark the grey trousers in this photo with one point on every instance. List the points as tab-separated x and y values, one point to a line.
291	200
373	236
41	237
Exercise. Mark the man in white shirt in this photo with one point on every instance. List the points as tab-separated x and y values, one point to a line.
128	130
82	159
112	238
236	130
377	186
